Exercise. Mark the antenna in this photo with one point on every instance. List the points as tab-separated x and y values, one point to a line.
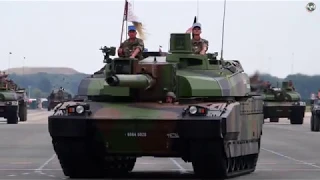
126	30
132	5
195	20
292	62
224	17
24	58
198	10
127	9
9	59
125	17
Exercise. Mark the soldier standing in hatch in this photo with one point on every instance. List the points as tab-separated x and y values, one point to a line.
199	45
291	85
133	46
1	80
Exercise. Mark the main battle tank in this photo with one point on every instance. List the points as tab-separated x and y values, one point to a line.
12	106
58	96
182	105
283	102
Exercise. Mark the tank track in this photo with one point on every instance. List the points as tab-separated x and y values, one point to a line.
82	158
213	163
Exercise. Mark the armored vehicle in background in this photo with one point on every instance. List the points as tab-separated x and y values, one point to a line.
58	96
182	105
12	106
282	102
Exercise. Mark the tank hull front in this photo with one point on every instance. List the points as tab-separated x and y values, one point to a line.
138	137
224	144
283	110
294	111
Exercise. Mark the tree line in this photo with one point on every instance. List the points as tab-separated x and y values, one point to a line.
304	84
41	84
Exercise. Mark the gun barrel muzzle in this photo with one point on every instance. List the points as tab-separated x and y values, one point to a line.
131	80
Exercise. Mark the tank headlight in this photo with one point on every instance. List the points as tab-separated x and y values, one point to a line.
193	110
79	109
12	103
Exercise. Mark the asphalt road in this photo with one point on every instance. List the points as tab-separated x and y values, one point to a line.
288	152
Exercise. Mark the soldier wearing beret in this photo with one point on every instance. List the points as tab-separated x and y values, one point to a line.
132	47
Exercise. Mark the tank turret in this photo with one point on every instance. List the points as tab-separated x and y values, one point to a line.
58	96
6	83
154	76
3	78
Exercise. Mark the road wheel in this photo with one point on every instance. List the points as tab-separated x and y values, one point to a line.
13	119
312	123
79	158
316	123
296	120
23	112
209	160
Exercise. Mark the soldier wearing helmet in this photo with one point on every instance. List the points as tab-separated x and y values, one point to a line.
199	45
133	46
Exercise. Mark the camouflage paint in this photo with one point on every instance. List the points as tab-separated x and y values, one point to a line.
194	80
8	96
98	86
8	88
289	96
157	120
153	118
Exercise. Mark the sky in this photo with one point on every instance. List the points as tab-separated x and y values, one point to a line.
278	37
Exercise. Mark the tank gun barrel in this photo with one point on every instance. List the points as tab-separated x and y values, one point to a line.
139	81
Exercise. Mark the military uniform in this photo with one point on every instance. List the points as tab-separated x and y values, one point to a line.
291	85
197	45
128	46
